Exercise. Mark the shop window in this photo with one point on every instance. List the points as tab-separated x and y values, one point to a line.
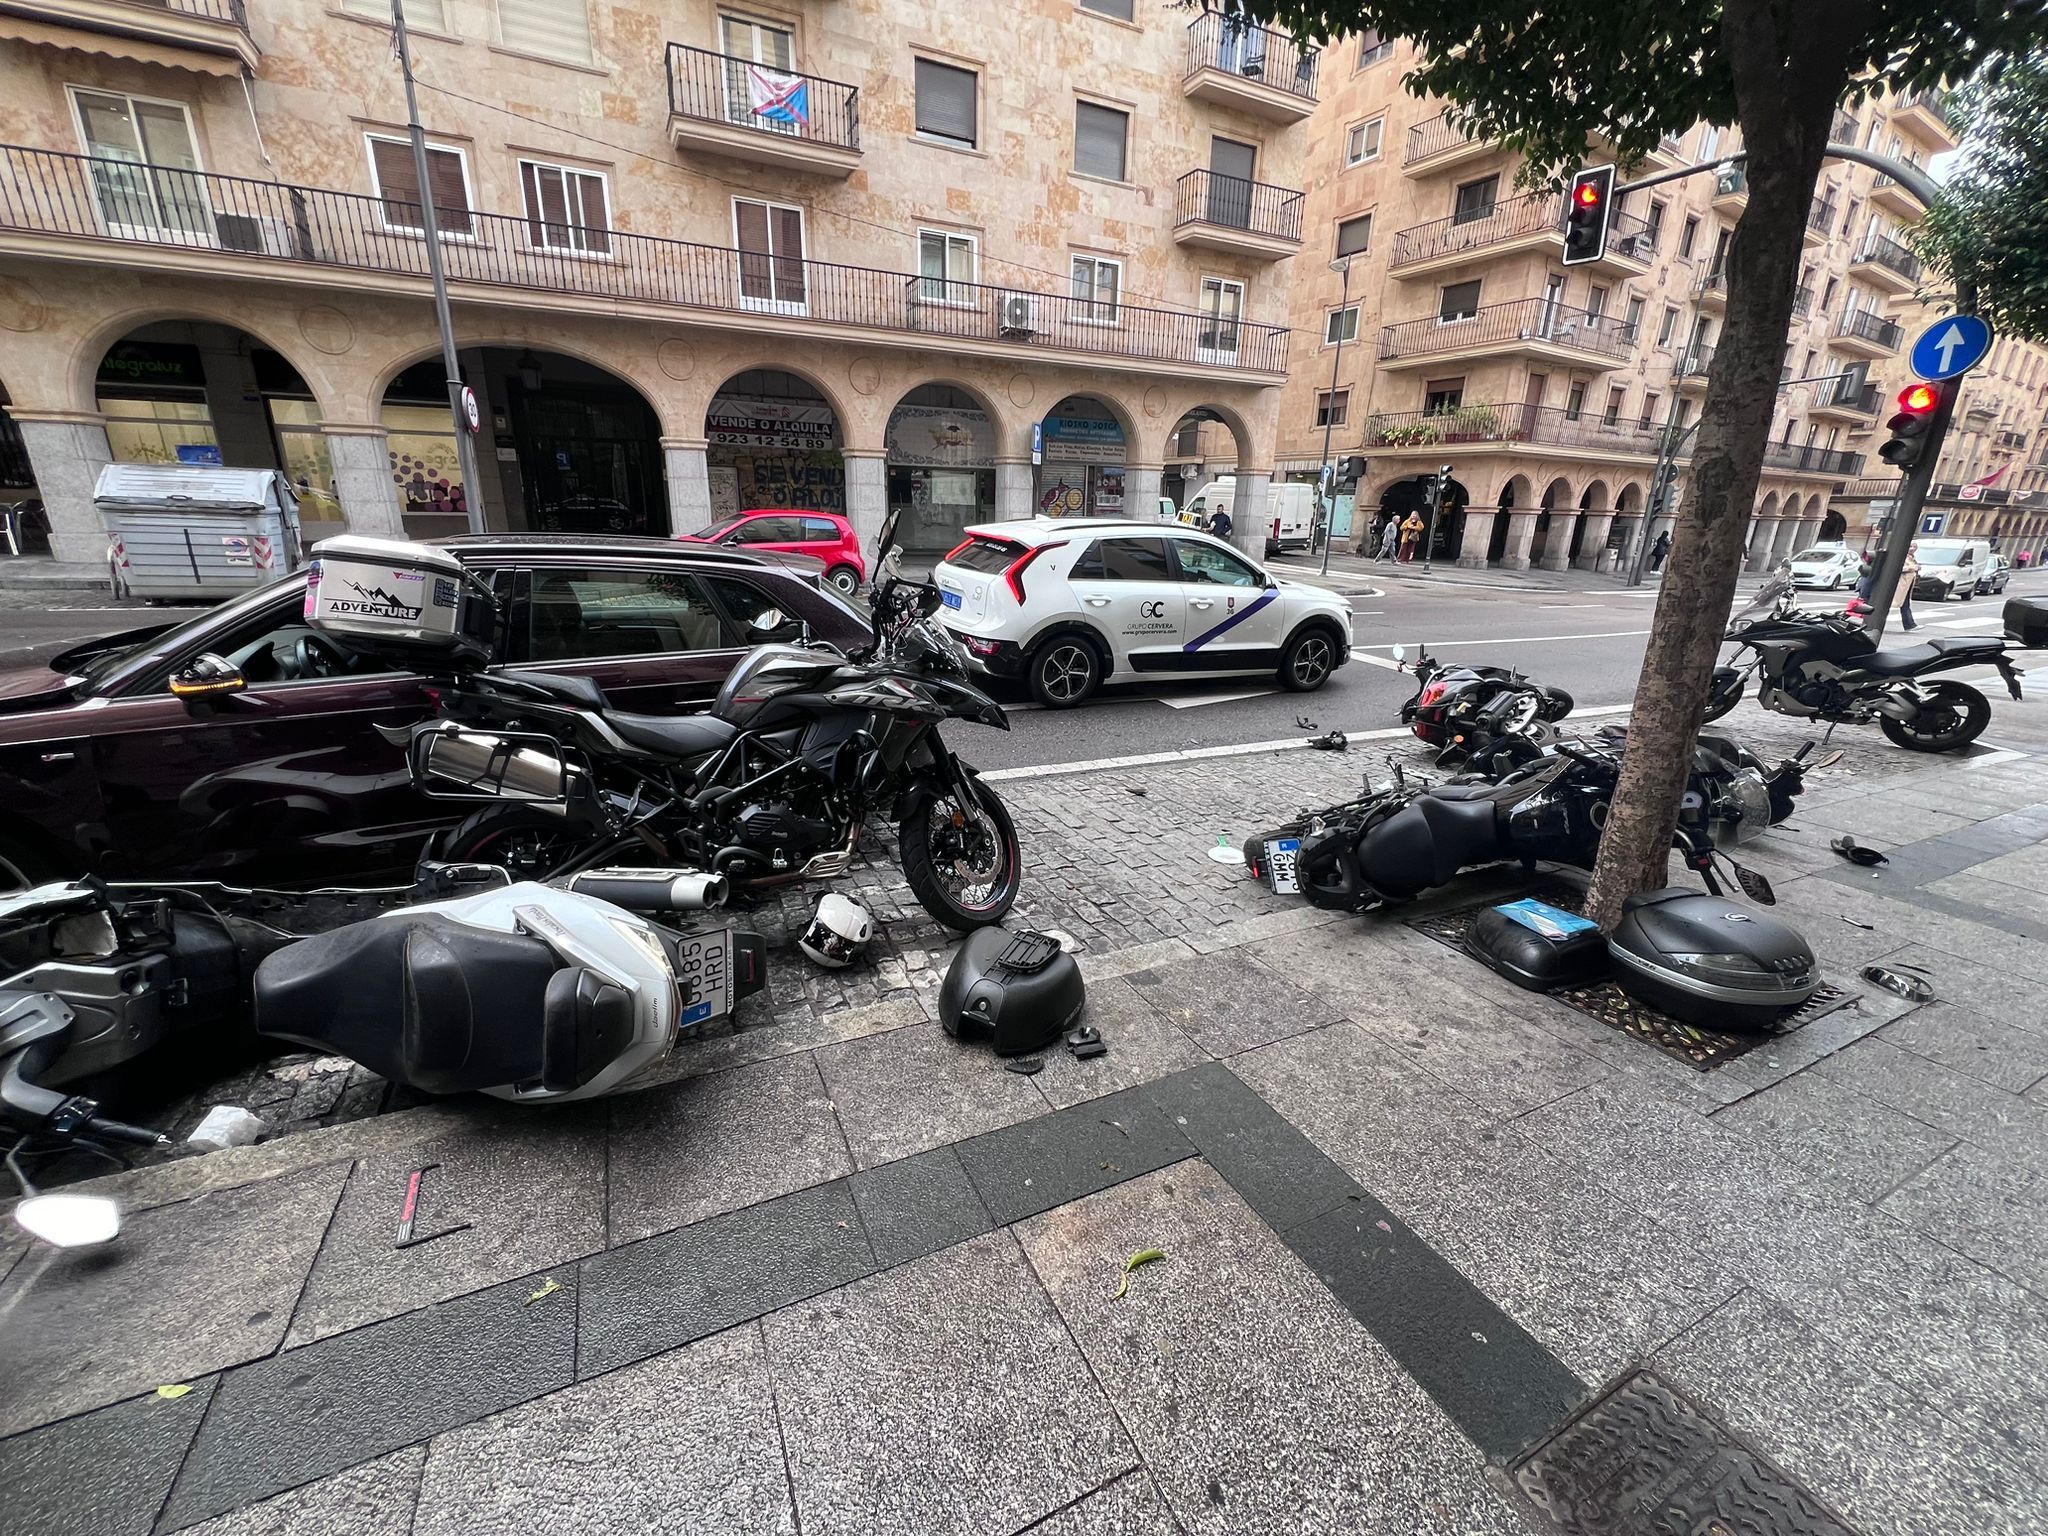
154	431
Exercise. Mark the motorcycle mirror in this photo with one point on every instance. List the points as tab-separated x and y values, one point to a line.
1754	885
1400	653
69	1221
892	563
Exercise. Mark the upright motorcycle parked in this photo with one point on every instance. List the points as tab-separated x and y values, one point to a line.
1825	666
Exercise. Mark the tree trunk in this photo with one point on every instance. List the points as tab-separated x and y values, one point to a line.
1790	62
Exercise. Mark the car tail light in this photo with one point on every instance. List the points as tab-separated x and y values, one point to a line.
1276	527
979	646
1013	573
963	544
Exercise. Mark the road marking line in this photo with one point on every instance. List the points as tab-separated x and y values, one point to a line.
1608	634
1376	661
1235	749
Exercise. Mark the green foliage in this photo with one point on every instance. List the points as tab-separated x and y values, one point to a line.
1550	80
1991	225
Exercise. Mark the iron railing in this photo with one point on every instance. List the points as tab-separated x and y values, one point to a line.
1811	458
206	10
721	88
1892	255
1695	362
1208	197
1843	129
1864	325
1549	425
48	193
1820	216
1520	320
1931	101
1477	229
1843	395
1432	136
1802	302
1220	40
1712	285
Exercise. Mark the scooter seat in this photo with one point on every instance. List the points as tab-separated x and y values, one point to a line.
1428	841
1908	659
677	735
444	1007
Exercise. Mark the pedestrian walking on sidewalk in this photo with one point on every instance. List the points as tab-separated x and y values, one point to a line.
1411	532
1902	594
1866	567
1390	535
1660	549
1219	525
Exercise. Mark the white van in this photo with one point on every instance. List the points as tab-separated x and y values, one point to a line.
1950	568
1290	511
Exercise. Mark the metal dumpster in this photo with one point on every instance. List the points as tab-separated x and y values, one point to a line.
196	530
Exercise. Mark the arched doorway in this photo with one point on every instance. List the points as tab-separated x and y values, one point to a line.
1555	495
1206	443
1443	525
1593	499
774	441
941	466
1512	495
1084	449
24	523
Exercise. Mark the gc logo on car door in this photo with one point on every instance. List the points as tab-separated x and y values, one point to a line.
1151	610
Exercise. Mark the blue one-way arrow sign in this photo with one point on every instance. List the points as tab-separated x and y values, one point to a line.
1951	347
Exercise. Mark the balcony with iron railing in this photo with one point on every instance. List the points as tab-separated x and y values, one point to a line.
1523	327
1820	221
1892	197
719	104
1844	399
1490	230
1885	264
1437	144
69	207
1231	63
212	34
1843	130
1926	113
1509	425
1866	333
1710	290
1812	459
1691	367
1231	213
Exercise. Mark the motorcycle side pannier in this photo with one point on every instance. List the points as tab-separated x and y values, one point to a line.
399	599
2026	622
1536	945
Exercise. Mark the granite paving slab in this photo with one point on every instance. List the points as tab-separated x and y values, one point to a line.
1129	1506
104	1473
1984	1205
1225	1005
1033	1166
718	1142
1143	1044
684	1444
374	1499
1274	1169
1935	1095
186	1289
942	1397
916	1088
1997	1051
782	1031
1844	1139
917	1206
526	1192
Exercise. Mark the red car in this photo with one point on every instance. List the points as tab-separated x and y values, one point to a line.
289	782
826	536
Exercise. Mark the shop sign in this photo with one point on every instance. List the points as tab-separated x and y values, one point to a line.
940	438
153	362
736	421
1083	440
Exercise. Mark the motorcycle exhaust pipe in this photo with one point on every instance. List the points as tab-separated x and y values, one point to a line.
654	890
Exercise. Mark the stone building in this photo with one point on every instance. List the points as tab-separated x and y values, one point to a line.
965	262
1549	390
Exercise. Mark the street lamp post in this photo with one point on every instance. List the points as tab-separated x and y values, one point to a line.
1326	482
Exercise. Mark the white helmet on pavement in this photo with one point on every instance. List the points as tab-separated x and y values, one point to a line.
839	931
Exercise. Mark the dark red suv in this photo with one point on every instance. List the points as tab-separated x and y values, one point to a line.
288	781
826	536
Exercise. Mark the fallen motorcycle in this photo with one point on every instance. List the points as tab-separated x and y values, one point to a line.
465	982
1402	839
1479	713
1825	666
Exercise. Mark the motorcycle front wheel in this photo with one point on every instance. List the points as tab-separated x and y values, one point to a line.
1955	716
1723	694
962	862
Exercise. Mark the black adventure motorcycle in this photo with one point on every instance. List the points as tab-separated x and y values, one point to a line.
1825	666
802	749
1477	713
1402	839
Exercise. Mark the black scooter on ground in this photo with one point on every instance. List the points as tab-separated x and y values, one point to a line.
1478	713
1824	666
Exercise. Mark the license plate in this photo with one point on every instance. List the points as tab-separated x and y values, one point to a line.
704	969
1280	857
950	599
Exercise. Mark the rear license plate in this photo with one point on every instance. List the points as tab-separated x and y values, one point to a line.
950	599
1280	857
704	969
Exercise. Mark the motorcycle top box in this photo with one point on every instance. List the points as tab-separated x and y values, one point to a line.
1710	962
1018	991
400	599
2026	622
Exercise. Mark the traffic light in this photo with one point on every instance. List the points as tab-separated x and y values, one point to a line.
1586	215
1352	469
1918	404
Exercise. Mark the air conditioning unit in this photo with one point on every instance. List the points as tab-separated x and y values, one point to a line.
1018	314
255	234
1637	247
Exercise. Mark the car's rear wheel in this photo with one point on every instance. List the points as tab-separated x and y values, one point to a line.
1308	661
1065	671
845	579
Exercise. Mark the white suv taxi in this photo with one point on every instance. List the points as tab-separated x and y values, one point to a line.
1071	603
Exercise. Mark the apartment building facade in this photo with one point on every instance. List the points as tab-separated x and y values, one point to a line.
965	263
1454	335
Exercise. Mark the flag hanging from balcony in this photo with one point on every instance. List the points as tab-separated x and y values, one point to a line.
780	98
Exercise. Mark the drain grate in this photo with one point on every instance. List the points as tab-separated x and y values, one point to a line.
1647	1461
1606	1002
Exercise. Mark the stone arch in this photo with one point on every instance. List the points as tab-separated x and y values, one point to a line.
1084	472
942	439
94	345
671	407
1003	416
1516	493
1557	494
1594	497
1230	419
1629	500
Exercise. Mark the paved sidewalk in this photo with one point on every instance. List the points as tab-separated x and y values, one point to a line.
839	1274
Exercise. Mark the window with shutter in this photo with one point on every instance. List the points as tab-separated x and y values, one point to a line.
1362	143
1459	301
1119	9
1354	235
425	15
946	107
771	256
553	29
566	209
1099	139
398	184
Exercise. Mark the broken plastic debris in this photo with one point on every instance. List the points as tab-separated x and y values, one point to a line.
545	1291
1223	853
225	1125
1478	1335
1136	1261
177	1390
1384	1228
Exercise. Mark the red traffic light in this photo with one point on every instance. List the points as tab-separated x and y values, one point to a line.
1588	194
1919	397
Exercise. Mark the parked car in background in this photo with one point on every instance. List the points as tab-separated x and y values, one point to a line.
1070	603
1828	566
289	782
1996	576
824	536
1950	568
